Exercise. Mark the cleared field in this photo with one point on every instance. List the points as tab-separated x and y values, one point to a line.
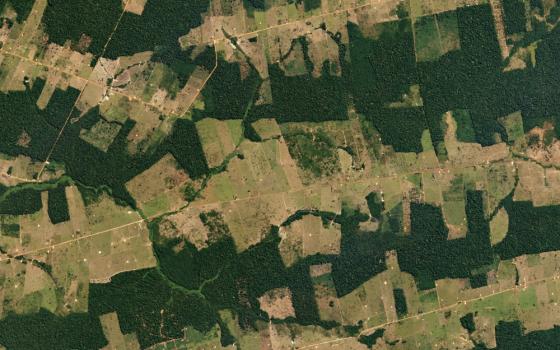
125	249
427	39
161	188
499	226
454	208
188	224
308	236
325	292
277	303
20	169
267	128
513	123
466	153
104	214
101	135
113	334
445	322
258	171
431	189
219	139
115	108
537	184
18	298
365	303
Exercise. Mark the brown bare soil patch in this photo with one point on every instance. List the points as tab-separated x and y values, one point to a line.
277	303
24	139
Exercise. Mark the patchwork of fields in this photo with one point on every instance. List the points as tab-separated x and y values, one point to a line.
279	174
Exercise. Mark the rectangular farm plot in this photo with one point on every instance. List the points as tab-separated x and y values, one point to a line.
426	39
135	6
248	220
455	218
513	123
428	300
111	329
267	128
308	236
113	252
325	292
431	189
435	36
419	8
37	280
448	31
365	303
277	303
391	192
258	170
320	238
116	108
454	208
218	138
101	135
105	214
160	188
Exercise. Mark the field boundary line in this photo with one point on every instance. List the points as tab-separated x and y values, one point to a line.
335	12
439	309
323	343
53	246
465	301
70	74
46	162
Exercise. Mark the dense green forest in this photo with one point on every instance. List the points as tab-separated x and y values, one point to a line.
530	229
58	205
509	336
158	28
69	20
21	201
43	330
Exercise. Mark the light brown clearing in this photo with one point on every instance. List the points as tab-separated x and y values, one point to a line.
308	236
277	303
160	187
464	153
187	223
320	270
134	6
